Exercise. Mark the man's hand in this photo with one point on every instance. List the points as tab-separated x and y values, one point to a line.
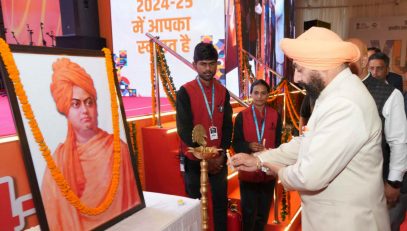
392	194
216	164
245	162
256	147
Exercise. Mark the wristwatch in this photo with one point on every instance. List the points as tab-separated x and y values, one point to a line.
260	165
394	184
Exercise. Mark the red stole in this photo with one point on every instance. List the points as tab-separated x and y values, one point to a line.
200	112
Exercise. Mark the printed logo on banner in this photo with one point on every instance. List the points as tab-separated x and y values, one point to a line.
13	210
120	61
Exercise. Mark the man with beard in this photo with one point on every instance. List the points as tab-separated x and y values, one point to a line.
205	101
307	105
389	103
336	165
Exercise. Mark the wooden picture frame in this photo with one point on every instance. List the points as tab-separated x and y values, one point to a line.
80	170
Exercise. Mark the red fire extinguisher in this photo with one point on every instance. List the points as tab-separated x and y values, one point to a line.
234	216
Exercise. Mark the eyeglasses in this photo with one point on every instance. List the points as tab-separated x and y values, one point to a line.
377	68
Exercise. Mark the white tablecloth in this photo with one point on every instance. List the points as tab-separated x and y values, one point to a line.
163	212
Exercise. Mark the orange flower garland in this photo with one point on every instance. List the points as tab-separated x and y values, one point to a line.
63	186
152	79
277	91
283	88
290	103
163	72
239	39
290	108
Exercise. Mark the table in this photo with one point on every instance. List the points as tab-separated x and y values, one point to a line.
163	212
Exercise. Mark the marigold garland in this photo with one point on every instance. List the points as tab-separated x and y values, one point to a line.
167	73
292	113
239	38
165	76
277	91
286	133
152	79
63	185
290	108
286	136
284	205
290	102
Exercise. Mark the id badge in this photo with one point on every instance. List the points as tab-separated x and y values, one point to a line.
213	133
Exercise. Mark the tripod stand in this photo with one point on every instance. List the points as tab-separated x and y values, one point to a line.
14	37
44	43
30	33
52	36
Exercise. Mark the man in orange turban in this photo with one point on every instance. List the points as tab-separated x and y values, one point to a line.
85	158
336	165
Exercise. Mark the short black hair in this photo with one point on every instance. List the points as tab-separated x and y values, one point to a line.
205	51
259	82
382	56
375	49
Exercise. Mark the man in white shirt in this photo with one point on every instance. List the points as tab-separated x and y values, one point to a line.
390	104
336	165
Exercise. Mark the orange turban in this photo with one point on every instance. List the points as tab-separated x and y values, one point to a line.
66	75
319	49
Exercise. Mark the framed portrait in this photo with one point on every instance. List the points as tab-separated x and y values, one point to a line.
75	140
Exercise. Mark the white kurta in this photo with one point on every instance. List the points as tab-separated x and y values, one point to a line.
337	164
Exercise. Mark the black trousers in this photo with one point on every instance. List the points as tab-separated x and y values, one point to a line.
219	190
255	202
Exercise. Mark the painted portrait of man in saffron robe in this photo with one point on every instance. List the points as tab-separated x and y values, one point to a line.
85	157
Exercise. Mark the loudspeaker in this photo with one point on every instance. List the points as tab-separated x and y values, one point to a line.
80	25
318	23
80	42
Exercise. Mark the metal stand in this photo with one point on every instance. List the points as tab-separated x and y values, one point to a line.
52	36
157	89
14	37
203	153
30	34
276	221
204	191
44	43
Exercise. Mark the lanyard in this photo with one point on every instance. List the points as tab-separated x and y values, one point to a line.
259	136
210	112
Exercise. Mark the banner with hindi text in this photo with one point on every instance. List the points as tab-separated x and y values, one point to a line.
180	24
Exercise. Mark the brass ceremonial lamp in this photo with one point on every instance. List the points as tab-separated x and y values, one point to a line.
203	153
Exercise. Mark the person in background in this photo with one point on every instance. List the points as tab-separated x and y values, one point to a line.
372	50
257	128
336	166
205	101
392	78
389	103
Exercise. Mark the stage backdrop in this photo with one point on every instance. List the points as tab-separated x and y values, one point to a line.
21	17
387	33
180	24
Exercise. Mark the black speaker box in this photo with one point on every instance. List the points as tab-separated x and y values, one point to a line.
80	25
318	23
80	42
